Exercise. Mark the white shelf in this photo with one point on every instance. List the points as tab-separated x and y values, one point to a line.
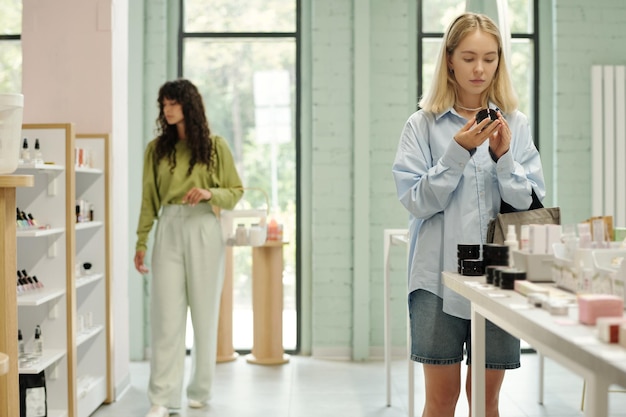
92	186
40	167
40	232
88	334
59	250
83	170
87	384
87	279
49	357
39	297
91	393
88	225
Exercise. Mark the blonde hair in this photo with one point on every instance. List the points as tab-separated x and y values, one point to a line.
442	93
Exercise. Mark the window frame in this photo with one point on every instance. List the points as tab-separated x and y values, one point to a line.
297	37
15	38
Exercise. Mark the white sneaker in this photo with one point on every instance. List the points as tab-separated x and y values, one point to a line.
158	411
195	403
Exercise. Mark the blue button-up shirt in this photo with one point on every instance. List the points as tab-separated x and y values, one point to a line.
451	193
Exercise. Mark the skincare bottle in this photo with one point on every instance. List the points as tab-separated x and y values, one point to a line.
38	156
20	221
25	152
584	235
32	220
20	285
20	343
524	232
241	235
25	218
30	284
38	283
272	230
511	242
38	341
22	281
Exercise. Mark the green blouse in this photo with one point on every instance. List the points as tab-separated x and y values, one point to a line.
162	187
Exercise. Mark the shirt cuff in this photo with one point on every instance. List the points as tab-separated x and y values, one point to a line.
456	157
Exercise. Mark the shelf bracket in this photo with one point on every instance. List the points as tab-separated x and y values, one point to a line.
54	372
52	183
52	247
53	313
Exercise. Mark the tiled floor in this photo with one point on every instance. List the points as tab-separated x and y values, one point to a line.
307	387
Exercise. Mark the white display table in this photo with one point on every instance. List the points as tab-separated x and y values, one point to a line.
563	339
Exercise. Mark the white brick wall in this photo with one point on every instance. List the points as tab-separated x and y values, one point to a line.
332	173
585	33
394	97
333	182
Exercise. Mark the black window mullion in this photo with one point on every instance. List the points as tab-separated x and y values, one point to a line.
182	36
239	34
181	33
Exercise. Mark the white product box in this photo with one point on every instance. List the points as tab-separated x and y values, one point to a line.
538	267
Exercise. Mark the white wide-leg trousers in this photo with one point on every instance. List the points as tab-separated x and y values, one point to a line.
187	272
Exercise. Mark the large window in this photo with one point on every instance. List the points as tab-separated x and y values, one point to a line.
10	46
242	55
433	19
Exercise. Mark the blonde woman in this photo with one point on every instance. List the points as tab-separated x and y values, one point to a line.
451	174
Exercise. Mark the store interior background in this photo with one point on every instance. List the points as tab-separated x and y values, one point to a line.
99	64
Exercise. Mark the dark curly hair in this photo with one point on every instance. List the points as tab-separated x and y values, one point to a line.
196	125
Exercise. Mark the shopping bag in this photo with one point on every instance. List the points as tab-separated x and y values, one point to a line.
33	395
536	214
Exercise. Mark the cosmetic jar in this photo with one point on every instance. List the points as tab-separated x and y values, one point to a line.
494	254
472	267
537	299
467	251
257	235
471	251
490	272
484	113
497	275
508	277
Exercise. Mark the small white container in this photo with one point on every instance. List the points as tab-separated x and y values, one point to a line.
257	235
538	267
241	235
11	113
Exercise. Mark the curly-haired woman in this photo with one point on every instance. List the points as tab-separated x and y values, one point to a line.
187	171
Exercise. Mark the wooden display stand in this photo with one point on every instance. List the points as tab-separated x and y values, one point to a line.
9	383
267	304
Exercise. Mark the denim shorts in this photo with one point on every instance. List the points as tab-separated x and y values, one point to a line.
438	338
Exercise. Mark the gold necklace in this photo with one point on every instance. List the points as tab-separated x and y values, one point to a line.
467	108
